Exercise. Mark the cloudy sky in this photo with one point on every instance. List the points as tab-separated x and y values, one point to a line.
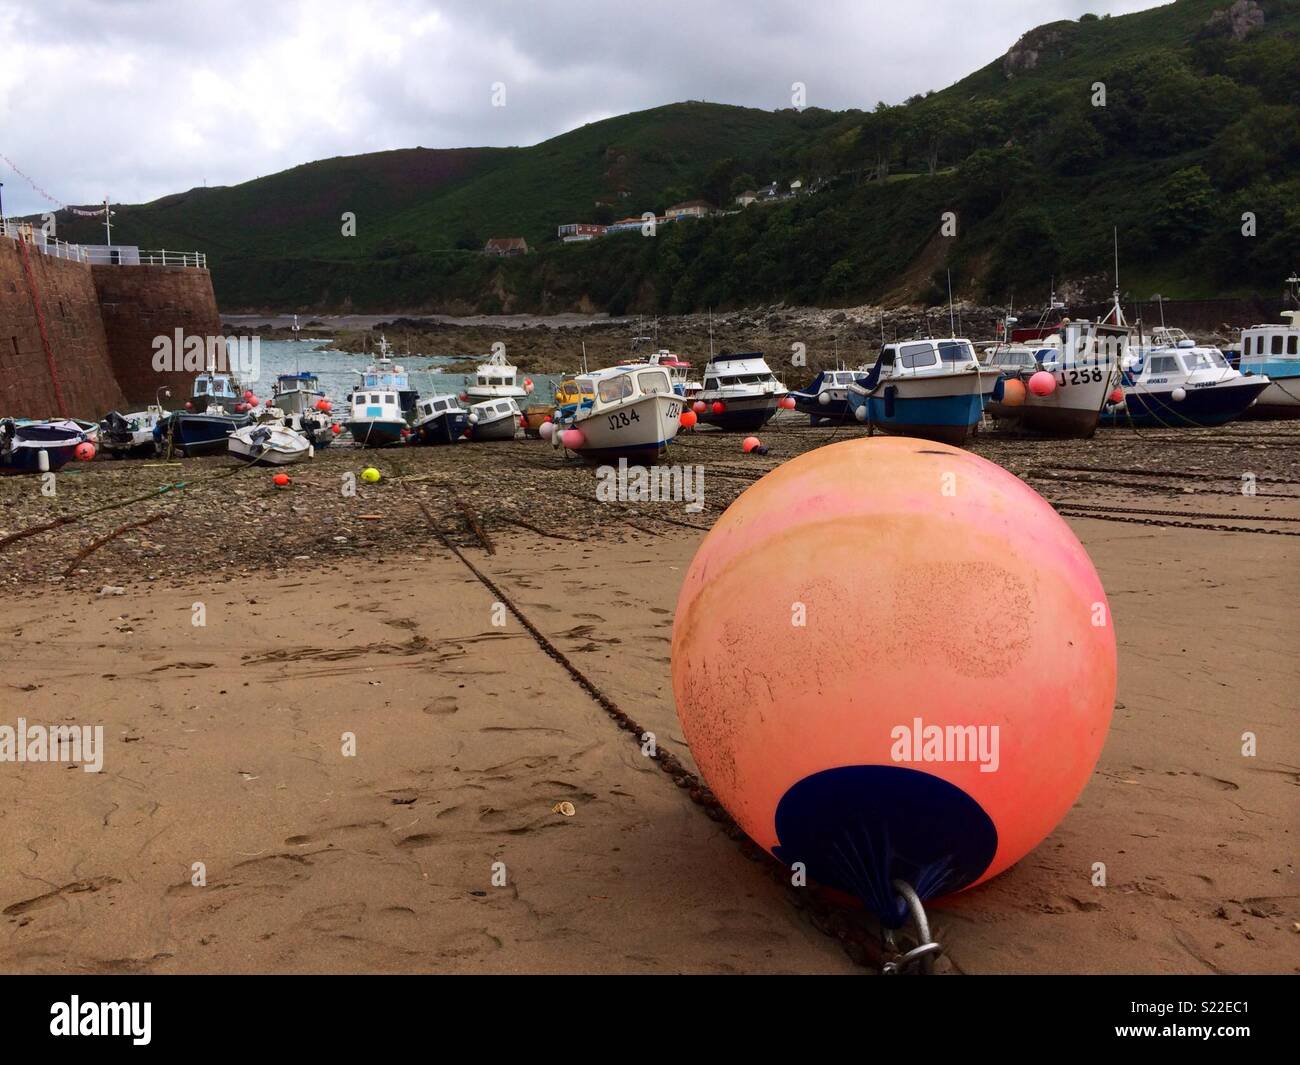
134	99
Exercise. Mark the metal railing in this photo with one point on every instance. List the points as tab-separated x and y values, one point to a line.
100	254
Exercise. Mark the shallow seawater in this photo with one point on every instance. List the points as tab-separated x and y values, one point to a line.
338	370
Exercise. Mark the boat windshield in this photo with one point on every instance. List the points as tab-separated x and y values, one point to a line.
612	389
1204	360
956	351
653	381
914	355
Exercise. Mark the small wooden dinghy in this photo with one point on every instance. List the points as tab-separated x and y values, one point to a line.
270	445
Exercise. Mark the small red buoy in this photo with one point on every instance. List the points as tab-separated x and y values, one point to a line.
254	401
85	451
786	403
240	408
750	443
689	418
323	405
719	407
248	393
1116	395
699	406
280	480
189	405
335	429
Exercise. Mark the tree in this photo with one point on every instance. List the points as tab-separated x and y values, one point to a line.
1187	206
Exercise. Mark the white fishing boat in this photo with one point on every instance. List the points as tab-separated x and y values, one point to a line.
382	404
1082	360
1170	382
633	413
267	444
740	392
495	379
494	419
934	388
679	370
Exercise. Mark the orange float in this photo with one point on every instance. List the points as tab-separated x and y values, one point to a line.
893	660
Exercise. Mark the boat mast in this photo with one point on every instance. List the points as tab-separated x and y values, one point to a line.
952	329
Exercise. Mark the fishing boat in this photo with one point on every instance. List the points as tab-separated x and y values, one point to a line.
633	415
827	398
1274	351
569	396
933	388
495	379
494	419
439	420
215	409
1083	360
383	404
130	435
304	406
38	446
268	444
740	392
1173	382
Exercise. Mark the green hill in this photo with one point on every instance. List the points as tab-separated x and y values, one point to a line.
1199	129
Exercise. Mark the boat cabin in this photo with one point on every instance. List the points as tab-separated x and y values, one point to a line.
1260	343
492	409
927	358
377	404
739	371
495	372
614	387
216	387
436	405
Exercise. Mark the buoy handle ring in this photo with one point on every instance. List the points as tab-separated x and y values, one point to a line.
927	949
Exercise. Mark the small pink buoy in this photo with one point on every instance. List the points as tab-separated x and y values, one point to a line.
573	439
719	407
189	405
750	443
1116	395
786	403
280	480
248	393
240	408
254	402
699	406
547	429
1042	383
85	451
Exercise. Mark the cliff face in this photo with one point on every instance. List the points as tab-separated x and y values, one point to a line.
139	303
82	372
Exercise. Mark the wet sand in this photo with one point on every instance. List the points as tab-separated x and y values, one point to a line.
225	742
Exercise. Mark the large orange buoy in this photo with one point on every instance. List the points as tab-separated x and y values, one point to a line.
1013	392
893	660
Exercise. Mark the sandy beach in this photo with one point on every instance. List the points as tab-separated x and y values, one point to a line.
350	743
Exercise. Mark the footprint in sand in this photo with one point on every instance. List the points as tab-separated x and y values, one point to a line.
444	704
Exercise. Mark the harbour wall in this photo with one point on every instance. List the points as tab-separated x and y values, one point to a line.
138	303
100	320
78	366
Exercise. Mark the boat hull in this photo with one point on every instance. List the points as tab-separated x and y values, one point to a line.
1071	411
944	408
741	415
446	428
376	433
640	429
195	435
500	428
1281	399
1202	408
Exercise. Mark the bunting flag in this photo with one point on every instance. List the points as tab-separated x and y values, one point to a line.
99	212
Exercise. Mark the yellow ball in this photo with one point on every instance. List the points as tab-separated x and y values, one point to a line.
370	475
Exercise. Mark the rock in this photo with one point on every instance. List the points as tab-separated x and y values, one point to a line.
112	589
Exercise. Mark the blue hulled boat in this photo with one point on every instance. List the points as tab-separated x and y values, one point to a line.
22	445
935	389
827	398
211	414
439	420
1175	383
